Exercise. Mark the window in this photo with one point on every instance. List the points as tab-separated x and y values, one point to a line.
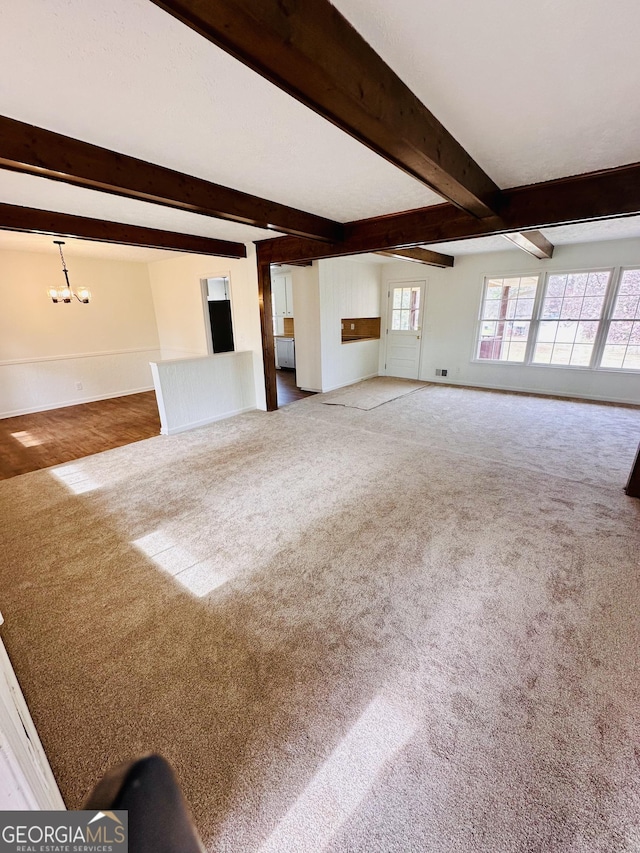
405	311
587	319
570	317
507	309
622	349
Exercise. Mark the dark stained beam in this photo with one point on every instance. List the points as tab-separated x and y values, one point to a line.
633	486
532	242
16	218
402	230
421	256
35	151
308	49
597	195
266	329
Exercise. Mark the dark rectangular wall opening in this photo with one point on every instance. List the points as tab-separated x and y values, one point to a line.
220	317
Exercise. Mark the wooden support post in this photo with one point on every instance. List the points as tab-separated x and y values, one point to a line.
633	486
266	327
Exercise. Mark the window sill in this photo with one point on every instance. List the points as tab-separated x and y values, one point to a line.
572	367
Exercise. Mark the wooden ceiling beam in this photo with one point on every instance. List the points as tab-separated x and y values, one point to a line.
309	50
597	195
36	151
532	242
420	256
16	218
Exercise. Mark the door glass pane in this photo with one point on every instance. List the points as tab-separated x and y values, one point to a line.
405	312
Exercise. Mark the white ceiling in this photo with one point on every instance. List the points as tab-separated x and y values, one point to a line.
15	241
532	92
31	191
126	75
562	235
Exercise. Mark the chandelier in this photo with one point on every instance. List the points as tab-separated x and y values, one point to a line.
66	294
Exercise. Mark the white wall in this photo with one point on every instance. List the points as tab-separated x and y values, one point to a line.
451	316
180	311
306	311
47	350
192	392
348	287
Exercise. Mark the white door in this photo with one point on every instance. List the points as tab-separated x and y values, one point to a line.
404	328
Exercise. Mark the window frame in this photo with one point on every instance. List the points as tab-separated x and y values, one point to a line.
616	274
596	351
480	320
619	273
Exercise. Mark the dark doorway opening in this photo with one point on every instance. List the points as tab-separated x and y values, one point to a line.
218	295
221	325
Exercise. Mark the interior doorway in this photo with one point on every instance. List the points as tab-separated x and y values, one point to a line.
216	293
405	309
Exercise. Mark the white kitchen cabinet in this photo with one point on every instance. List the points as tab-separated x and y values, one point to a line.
282	286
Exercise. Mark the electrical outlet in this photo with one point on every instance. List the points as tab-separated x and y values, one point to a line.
444	372
78	386
353	325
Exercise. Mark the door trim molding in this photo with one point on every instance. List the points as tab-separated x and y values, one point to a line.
394	282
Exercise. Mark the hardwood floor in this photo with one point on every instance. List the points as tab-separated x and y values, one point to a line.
288	391
30	442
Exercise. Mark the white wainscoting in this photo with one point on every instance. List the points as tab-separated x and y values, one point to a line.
39	384
193	392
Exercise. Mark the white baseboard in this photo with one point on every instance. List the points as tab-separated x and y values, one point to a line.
205	421
64	404
350	382
538	392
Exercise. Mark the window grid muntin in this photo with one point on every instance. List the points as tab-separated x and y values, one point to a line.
405	315
615	277
572	318
524	305
613	321
564	327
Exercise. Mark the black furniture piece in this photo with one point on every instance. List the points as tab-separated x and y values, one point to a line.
158	818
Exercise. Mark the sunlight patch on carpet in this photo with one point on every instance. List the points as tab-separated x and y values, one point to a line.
75	478
343	781
199	577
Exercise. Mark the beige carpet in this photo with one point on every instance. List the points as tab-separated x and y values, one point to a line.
371	393
421	631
